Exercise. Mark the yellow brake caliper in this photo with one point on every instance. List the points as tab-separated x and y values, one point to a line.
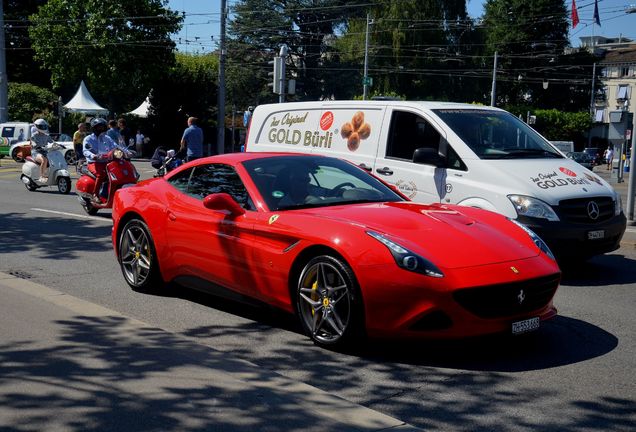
314	294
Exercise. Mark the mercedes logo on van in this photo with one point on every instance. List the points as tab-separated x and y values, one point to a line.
592	210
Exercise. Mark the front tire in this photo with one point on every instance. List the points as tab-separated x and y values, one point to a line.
64	185
89	208
137	257
328	302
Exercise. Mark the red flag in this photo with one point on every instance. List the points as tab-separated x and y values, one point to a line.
575	14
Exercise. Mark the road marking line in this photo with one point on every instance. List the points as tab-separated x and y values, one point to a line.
81	216
630	230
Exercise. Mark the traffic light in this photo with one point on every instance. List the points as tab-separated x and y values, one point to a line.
277	74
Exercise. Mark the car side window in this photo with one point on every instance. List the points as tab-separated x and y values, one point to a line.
409	132
218	178
181	180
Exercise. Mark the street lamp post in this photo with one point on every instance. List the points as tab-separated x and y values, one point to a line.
365	81
493	92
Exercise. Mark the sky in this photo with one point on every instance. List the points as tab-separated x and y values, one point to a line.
200	33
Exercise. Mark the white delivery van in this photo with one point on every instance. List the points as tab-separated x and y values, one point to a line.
11	133
463	154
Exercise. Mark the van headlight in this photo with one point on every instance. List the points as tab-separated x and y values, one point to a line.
532	207
618	204
535	238
406	259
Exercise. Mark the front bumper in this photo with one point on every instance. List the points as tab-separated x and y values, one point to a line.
409	305
571	240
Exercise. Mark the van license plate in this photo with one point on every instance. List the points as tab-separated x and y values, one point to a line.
595	235
525	325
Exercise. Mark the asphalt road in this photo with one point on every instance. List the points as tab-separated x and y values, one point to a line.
575	374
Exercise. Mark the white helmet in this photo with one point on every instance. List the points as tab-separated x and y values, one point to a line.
41	125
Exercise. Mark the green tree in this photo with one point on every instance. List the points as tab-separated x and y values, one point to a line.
21	66
305	26
531	38
120	48
28	102
189	88
419	49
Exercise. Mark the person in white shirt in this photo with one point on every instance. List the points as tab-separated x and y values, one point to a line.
96	146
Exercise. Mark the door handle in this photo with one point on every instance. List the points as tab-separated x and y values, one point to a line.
385	171
171	215
365	167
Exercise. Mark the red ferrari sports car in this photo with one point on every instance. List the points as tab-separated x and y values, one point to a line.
321	238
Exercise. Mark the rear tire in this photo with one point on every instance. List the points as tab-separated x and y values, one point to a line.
138	258
64	185
328	302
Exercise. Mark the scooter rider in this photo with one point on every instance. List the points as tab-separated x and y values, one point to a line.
96	146
40	139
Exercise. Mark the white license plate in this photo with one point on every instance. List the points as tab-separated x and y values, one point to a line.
595	235
525	325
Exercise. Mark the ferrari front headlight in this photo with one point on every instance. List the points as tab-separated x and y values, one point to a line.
535	238
406	259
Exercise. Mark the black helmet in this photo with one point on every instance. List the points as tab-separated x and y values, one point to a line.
98	123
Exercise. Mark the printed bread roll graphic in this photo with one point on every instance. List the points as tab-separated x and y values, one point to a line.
364	131
357	120
346	130
354	141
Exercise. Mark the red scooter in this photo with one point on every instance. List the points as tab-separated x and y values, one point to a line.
120	172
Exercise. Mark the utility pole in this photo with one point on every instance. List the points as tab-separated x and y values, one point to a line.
4	103
365	80
283	55
589	134
631	185
220	139
493	91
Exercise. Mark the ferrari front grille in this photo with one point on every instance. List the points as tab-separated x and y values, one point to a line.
509	299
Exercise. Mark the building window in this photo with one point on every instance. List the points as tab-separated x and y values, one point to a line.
622	93
598	116
624	71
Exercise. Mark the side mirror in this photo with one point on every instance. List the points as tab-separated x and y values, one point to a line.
223	202
428	156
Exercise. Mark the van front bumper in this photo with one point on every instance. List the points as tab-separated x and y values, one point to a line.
570	240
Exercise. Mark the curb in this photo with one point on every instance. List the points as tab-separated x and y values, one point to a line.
230	373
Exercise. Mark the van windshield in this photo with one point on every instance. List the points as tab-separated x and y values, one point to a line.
497	134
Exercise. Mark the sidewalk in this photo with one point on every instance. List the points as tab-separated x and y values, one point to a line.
70	365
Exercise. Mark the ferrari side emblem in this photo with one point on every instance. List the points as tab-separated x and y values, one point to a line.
273	219
514	270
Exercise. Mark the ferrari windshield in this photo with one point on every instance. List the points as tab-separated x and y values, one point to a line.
497	134
292	182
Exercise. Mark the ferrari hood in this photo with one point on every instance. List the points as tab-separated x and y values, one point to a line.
438	232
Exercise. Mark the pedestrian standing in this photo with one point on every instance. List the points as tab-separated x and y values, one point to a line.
113	132
192	140
139	142
610	157
78	140
125	133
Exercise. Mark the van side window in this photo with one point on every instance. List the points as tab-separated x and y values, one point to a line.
408	132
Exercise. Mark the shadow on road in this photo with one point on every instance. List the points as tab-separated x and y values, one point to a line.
603	270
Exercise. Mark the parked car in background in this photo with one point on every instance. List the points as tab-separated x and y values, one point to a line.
20	150
596	154
583	159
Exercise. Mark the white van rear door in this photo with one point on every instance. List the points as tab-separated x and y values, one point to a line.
408	130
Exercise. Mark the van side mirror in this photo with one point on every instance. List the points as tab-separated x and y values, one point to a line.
428	156
223	202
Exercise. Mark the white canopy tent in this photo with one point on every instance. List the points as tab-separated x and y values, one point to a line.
83	102
142	110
